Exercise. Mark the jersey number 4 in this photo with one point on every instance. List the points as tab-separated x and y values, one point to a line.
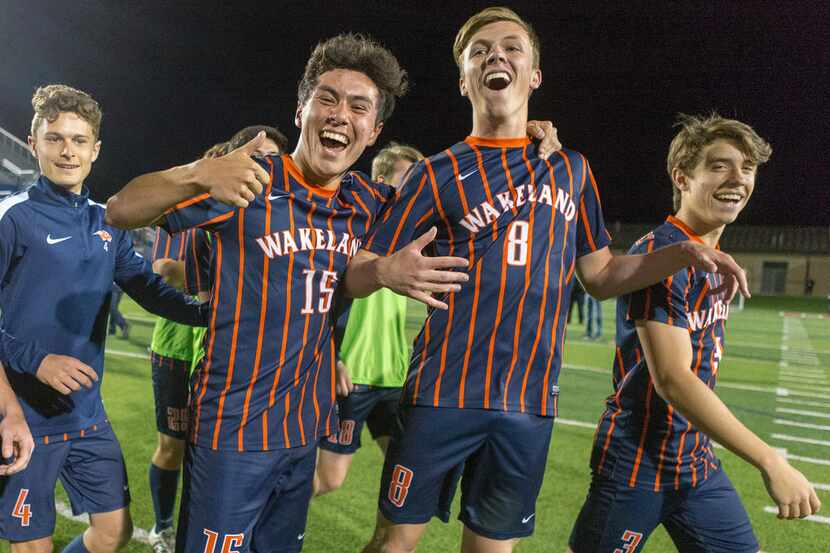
326	291
22	510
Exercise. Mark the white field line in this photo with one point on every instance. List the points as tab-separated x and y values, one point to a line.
788	438
811	460
803	374
802	412
806	387
803	403
778	390
580	424
812	426
139	534
822	487
127	354
141	319
811	518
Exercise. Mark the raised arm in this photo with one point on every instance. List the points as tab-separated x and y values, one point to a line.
233	179
605	275
668	353
407	272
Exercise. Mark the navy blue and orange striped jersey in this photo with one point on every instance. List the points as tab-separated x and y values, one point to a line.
521	222
197	262
168	246
641	439
267	378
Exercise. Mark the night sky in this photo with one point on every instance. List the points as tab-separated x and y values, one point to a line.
173	81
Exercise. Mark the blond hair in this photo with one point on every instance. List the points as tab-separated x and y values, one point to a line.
383	164
698	131
486	17
51	100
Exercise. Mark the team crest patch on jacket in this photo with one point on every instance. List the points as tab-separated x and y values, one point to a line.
105	237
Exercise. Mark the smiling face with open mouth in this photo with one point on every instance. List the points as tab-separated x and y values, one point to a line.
718	188
337	123
498	73
65	149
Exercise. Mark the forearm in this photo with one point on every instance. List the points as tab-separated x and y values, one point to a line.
363	274
20	355
705	410
8	399
145	198
623	274
159	298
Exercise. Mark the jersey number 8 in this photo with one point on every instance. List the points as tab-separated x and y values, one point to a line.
518	235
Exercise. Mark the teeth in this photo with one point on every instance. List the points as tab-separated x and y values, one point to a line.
341	138
729	197
497	75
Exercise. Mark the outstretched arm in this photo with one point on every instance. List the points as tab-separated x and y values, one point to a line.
668	353
407	272
234	179
605	275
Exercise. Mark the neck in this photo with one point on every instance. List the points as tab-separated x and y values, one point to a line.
487	124
327	182
74	189
708	232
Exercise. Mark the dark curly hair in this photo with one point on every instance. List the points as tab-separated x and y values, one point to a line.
51	100
358	53
249	133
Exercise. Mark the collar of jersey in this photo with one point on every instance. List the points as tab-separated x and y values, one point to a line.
294	171
61	196
685	229
497	142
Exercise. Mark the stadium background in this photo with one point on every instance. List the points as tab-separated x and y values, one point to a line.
167	78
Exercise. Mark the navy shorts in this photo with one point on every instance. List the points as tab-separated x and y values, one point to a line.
170	391
499	456
708	518
377	407
91	470
245	501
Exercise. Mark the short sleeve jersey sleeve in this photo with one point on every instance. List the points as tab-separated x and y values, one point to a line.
591	234
665	302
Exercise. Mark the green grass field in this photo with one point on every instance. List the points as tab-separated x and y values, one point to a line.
773	375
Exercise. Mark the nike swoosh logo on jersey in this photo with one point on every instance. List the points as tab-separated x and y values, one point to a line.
525	520
50	240
465	175
277	196
301	536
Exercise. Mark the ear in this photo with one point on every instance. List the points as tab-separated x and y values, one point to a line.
298	116
96	149
680	180
32	146
375	134
462	87
536	79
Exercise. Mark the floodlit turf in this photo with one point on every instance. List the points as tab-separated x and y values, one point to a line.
758	340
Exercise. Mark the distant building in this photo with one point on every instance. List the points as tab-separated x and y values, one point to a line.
779	260
18	167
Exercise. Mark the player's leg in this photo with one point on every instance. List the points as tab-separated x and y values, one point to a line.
95	479
225	494
420	473
502	481
170	392
27	501
617	517
394	538
336	451
381	420
711	518
332	469
282	522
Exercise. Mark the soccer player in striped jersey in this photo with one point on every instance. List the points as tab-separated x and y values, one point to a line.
55	236
482	388
652	460
264	393
172	352
373	355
